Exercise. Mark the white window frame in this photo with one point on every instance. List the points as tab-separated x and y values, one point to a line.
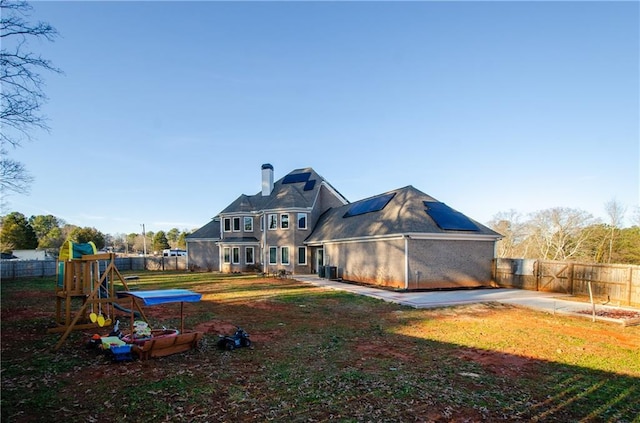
284	221
304	216
284	251
300	249
247	221
273	255
226	255
235	255
236	219
226	223
262	218
273	221
246	251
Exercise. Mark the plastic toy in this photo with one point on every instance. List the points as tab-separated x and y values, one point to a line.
239	339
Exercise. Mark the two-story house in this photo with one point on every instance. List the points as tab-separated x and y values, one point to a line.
267	231
403	238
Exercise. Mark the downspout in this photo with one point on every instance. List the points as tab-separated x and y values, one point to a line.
263	225
406	262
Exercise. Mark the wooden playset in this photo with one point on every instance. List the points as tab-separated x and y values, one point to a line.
83	291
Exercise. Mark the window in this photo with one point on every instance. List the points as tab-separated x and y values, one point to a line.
248	255
284	255
248	224
302	255
235	253
273	221
262	223
227	224
273	255
284	221
226	252
302	221
236	224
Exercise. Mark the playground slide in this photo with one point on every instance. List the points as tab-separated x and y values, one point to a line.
117	306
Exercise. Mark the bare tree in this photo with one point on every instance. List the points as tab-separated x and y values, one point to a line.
616	213
22	94
508	225
558	233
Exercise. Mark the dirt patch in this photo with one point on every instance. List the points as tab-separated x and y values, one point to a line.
508	365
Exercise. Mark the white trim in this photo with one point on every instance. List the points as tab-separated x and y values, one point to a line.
269	255
269	228
282	215
298	255
306	221
282	249
253	255
233	250
244	223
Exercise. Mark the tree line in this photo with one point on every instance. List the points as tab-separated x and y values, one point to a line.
47	232
567	234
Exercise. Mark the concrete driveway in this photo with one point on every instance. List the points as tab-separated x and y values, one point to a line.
545	301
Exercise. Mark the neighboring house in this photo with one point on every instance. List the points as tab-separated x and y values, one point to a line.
402	239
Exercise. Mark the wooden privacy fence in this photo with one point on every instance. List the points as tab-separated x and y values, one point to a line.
618	284
14	269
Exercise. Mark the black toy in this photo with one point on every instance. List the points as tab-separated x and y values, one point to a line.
239	339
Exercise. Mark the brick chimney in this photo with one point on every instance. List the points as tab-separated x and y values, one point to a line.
267	179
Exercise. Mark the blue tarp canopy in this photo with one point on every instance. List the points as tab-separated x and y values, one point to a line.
162	296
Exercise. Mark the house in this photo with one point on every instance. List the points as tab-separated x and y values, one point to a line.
402	239
266	231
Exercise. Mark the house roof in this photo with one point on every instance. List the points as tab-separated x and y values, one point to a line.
209	231
298	189
403	211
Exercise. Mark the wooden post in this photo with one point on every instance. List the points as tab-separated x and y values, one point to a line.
629	285
593	305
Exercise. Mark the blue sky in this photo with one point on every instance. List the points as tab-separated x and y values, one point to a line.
167	110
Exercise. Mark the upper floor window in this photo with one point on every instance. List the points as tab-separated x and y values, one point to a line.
284	221
248	224
262	223
227	224
273	221
236	224
302	221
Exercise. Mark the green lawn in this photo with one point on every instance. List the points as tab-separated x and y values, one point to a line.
321	355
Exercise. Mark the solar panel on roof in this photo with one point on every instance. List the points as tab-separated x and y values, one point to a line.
309	185
292	178
371	205
447	218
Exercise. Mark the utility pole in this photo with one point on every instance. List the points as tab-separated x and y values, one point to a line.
144	241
